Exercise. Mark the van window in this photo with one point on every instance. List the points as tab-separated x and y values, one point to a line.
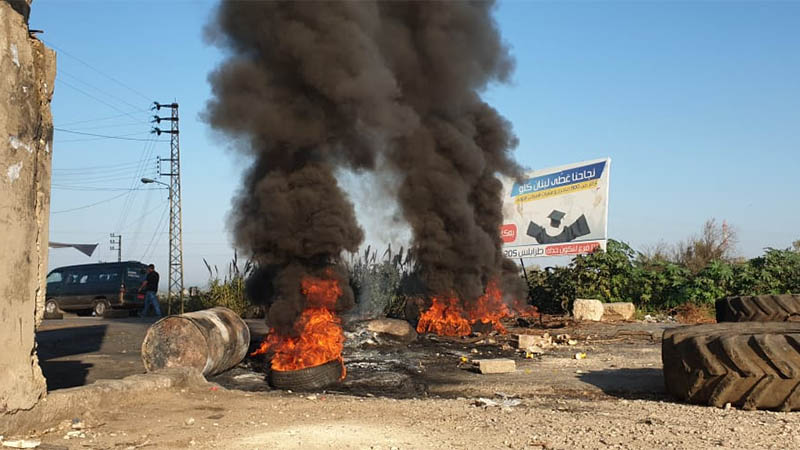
84	278
72	278
135	274
108	276
55	277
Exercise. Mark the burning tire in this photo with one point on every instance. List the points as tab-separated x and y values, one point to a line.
759	308
753	365
308	379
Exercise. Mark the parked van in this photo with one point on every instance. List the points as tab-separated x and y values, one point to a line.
95	287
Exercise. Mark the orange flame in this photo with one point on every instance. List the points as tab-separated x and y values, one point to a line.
446	317
317	337
489	308
523	309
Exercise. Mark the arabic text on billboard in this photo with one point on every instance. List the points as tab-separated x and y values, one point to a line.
557	211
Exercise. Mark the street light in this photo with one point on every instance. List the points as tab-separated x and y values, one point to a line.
150	180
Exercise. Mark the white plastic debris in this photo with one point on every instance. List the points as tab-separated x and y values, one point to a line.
21	443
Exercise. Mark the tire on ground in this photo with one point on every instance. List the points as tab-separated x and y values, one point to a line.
754	365
759	308
308	379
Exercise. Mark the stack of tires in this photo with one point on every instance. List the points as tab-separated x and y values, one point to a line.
750	358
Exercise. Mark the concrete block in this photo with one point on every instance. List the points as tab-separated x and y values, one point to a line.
584	309
499	365
618	311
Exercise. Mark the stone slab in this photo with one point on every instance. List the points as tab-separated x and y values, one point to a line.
499	365
586	309
618	311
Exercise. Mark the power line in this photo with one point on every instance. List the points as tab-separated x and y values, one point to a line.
61	80
121	100
100	119
115	125
83	176
155	234
122	138
147	152
65	187
89	205
64	52
110	166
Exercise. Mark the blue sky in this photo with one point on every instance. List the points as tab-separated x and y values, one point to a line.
697	104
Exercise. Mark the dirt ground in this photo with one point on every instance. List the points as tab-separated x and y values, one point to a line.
420	396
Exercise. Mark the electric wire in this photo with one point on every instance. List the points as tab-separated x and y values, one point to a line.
65	53
89	205
59	187
123	137
155	234
99	119
106	94
147	152
114	107
105	167
105	127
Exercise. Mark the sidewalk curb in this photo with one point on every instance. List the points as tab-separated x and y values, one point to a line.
67	403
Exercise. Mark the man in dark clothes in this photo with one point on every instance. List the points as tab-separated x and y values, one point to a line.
150	288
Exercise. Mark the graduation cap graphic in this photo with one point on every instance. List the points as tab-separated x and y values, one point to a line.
571	232
555	218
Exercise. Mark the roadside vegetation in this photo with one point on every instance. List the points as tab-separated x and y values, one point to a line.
227	289
684	278
697	271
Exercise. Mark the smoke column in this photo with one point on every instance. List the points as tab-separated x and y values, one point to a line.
309	87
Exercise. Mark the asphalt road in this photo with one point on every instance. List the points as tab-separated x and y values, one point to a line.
75	351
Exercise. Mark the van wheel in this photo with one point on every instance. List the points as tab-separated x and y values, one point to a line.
100	307
51	307
51	310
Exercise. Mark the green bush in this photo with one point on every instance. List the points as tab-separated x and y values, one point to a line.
621	274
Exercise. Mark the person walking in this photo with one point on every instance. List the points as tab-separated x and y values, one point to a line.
150	288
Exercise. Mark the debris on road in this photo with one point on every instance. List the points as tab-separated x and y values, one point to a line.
526	341
22	443
506	403
398	329
74	434
580	355
499	365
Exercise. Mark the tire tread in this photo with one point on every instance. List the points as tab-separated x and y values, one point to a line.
753	365
308	379
758	308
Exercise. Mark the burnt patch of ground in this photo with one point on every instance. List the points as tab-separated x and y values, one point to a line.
622	360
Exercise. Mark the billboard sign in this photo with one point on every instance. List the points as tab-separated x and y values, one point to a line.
558	211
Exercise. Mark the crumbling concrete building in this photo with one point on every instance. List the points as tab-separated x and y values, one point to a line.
27	73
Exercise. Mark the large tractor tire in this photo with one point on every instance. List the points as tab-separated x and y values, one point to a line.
759	308
753	365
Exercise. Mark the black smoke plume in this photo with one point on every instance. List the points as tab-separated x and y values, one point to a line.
309	87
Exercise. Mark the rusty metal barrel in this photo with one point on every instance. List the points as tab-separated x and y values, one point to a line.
211	341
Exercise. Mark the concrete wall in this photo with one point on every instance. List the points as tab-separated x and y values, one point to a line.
27	73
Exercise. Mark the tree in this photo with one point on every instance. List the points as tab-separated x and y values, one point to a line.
715	243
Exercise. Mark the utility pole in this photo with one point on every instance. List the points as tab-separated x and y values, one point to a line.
175	286
116	240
